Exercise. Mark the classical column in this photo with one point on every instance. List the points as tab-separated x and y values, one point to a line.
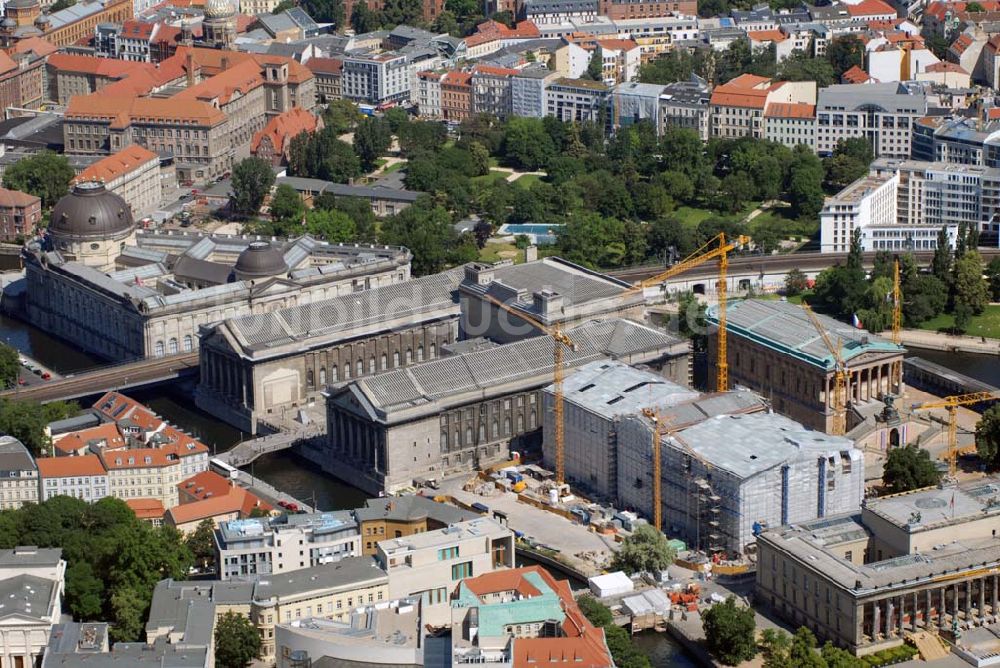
993	609
981	585
876	619
913	612
954	601
927	608
943	609
968	600
902	609
889	609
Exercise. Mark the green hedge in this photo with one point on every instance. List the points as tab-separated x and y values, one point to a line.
888	657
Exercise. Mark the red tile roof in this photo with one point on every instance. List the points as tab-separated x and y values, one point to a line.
767	36
35	45
325	65
945	66
494	71
238	501
106	434
133	29
121	110
117	164
284	127
66	467
855	75
618	44
146	509
790	110
105	67
16	198
870	8
204	485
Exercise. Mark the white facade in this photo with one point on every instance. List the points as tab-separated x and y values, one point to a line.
882	113
18	474
31	585
868	204
90	487
429	94
375	79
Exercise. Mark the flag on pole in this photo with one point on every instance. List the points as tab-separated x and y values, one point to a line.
856	321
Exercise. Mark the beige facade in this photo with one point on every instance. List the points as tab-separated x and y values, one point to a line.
134	174
18	475
31	584
924	560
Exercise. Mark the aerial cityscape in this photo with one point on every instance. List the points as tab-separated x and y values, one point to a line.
510	333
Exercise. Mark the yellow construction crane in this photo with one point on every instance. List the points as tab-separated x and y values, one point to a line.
952	403
658	433
839	403
560	341
700	256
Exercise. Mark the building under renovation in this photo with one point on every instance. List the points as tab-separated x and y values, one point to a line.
775	350
730	469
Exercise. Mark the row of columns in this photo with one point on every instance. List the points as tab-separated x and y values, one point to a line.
867	383
226	378
357	442
973	600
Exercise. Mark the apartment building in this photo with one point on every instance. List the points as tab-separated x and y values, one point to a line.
491	90
82	477
791	124
401	516
685	104
134	174
255	548
618	10
329	73
737	106
375	78
273	141
18	474
429	565
553	12
869	205
884	115
456	96
20	214
577	100
429	94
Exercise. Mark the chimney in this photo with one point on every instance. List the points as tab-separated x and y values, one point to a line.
225	63
190	68
548	302
479	273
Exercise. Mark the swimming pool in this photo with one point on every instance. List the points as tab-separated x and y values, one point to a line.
539	234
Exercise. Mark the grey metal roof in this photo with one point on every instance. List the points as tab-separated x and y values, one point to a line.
326	318
532	7
939	506
25	556
609	388
160	654
14	456
201	271
745	445
785	327
349	572
343	190
27	596
274	23
518	361
412	507
890	97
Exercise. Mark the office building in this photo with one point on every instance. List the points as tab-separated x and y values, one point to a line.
868	205
685	104
577	100
884	114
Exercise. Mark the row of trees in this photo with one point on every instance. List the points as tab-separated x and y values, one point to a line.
113	560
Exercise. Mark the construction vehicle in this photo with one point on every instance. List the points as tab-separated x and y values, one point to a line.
706	252
952	403
839	403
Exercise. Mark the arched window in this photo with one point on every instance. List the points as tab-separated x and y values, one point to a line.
385	362
432	351
531	420
409	356
188	343
309	377
360	367
173	346
468	435
158	349
495	429
347	370
322	375
395	359
482	432
371	365
444	440
334	371
506	426
420	353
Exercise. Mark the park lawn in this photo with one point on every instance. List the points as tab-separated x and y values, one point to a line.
394	167
492	176
495	250
691	216
985	324
528	180
785	226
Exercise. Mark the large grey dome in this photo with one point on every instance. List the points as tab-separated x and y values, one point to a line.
261	259
219	9
90	211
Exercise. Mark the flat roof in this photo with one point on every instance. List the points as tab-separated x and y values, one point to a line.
348	572
935	507
610	388
481	527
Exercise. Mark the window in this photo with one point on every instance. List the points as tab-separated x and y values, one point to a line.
188	343
158	349
461	571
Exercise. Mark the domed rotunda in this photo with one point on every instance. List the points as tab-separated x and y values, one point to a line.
260	260
91	225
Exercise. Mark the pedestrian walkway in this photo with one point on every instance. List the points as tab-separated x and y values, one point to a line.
922	338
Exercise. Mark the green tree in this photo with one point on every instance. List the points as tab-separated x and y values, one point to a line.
372	139
10	365
729	632
909	467
201	542
645	551
988	438
341	116
426	229
849	162
595	68
252	179
845	52
334	226
800	66
61	4
84	591
776	646
796	282
805	184
327	11
526	144
970	288
596	612
283	6
803	652
941	262
363	19
128	607
481	158
45	175
26	421
286	206
993	277
974	7
924	297
237	642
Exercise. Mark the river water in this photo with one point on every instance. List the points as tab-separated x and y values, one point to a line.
289	474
